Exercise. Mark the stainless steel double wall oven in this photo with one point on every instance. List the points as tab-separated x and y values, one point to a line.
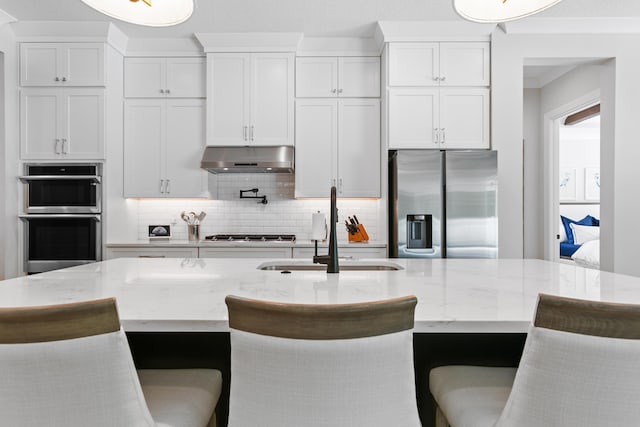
62	220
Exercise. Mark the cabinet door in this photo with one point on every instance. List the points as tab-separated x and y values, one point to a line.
272	99
40	64
316	77
83	130
245	253
83	64
147	252
464	64
184	145
413	118
144	77
414	64
185	78
464	118
40	121
143	141
359	77
359	148
228	98
316	146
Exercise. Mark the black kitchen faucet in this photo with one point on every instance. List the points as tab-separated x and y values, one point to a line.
332	258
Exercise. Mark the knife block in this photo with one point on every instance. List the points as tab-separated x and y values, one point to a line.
360	235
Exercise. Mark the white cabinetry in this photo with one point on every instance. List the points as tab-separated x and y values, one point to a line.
245	252
163	143
438	95
451	118
320	77
352	251
250	99
439	64
60	123
62	64
337	143
164	77
140	252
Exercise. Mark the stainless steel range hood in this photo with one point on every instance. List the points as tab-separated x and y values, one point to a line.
248	159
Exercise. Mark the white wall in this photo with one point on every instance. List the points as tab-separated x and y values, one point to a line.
619	148
533	224
9	155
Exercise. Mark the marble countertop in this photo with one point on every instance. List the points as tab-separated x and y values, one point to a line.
454	295
173	243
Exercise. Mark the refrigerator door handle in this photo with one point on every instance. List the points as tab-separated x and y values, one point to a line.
435	135
442	139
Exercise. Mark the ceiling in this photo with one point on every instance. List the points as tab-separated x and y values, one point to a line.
314	18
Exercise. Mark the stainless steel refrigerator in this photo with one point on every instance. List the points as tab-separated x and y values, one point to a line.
443	204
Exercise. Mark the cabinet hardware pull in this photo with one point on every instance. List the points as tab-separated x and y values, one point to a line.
63	143
151	256
167	91
244	133
435	135
161	90
167	186
340	185
333	182
252	133
339	90
442	79
56	148
436	78
334	90
64	79
57	79
442	129
162	186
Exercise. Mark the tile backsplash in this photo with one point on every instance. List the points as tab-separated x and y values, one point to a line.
229	214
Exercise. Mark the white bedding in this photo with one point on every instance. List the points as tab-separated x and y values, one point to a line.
588	255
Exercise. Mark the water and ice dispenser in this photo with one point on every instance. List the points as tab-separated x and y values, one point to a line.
419	230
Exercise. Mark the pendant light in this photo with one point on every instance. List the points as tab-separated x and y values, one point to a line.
152	13
487	11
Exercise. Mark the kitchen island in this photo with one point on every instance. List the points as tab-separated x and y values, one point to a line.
469	311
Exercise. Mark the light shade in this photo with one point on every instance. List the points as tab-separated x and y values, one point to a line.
153	13
499	10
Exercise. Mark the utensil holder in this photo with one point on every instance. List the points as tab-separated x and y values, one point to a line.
360	235
193	232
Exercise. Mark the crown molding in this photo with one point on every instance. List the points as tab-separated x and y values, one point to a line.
572	26
338	46
249	42
67	31
416	31
187	47
5	18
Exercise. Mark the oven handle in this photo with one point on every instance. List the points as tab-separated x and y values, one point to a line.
58	216
27	178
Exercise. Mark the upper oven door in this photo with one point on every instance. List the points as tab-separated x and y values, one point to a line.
50	190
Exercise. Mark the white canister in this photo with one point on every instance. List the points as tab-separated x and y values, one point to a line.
318	226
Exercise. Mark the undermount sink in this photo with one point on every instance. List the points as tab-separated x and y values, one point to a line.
344	265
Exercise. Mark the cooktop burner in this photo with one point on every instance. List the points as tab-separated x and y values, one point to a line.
251	238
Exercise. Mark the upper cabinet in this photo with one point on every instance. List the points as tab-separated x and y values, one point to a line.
329	77
62	123
250	99
337	144
164	77
62	64
439	64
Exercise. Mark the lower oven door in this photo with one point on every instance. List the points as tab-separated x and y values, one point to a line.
53	241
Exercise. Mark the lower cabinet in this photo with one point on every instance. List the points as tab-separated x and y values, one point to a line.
138	252
245	252
353	252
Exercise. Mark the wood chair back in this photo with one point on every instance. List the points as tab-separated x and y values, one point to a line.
321	321
58	322
602	319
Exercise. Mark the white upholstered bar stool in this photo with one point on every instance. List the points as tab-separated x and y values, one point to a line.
580	367
69	365
308	365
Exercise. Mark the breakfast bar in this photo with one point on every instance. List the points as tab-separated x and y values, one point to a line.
468	311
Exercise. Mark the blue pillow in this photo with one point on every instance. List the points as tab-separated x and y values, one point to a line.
595	221
587	220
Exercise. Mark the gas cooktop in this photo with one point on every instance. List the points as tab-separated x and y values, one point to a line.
251	238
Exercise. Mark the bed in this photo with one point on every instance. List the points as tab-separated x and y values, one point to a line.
580	240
